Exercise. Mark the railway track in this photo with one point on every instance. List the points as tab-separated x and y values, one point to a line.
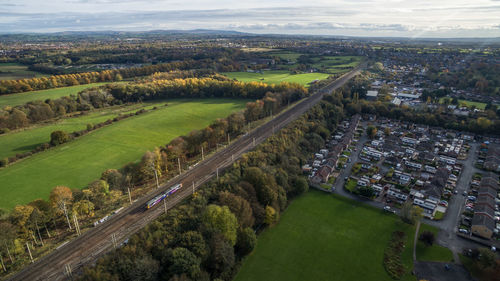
92	244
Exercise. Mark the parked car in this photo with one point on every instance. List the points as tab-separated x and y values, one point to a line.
464	193
463	230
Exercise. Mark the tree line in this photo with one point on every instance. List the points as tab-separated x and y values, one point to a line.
44	222
207	236
113	94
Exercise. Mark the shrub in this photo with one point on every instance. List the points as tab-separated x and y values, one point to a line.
427	237
392	255
58	137
4	162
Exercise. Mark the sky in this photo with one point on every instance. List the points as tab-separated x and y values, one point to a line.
374	18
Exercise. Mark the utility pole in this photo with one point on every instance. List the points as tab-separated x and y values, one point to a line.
273	129
77	225
217	172
179	164
228	139
202	155
3	265
232	157
113	240
8	252
67	271
165	205
253	141
156	174
193	187
129	196
29	251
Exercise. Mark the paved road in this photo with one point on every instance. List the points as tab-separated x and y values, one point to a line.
97	241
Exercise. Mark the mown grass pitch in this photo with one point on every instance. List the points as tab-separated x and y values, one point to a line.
22	98
276	76
81	161
326	237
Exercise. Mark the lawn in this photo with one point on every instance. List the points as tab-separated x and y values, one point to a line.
22	98
336	64
13	71
326	237
478	105
290	56
435	252
276	76
29	138
77	163
351	184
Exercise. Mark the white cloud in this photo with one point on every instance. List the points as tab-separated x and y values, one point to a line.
336	17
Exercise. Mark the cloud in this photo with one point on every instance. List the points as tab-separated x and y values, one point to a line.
330	17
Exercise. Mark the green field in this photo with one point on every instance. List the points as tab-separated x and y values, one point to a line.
291	56
13	71
29	138
435	252
276	76
22	98
326	237
78	162
478	105
336	64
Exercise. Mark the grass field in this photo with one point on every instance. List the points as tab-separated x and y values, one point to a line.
22	98
13	71
337	64
478	105
77	163
291	56
326	237
276	76
28	139
434	252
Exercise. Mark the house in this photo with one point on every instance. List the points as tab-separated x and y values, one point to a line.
372	95
396	194
485	210
409	141
322	175
491	181
483	226
487	191
435	188
485	200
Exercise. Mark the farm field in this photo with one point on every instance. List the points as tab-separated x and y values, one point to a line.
29	138
77	163
336	64
276	76
22	98
13	71
326	237
291	56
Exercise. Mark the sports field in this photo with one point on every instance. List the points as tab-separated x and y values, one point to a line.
326	237
29	138
78	162
276	76
13	71
22	98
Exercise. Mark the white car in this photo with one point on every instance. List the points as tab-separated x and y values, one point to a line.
463	230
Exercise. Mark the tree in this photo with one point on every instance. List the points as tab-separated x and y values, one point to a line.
271	216
58	137
184	261
220	220
84	208
61	197
239	207
427	237
486	258
246	241
371	131
20	216
194	242
409	213
222	257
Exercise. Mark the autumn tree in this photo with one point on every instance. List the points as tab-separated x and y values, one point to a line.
217	219
61	198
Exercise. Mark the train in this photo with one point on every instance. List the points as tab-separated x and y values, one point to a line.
162	196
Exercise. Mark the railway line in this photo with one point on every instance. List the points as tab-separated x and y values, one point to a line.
61	263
